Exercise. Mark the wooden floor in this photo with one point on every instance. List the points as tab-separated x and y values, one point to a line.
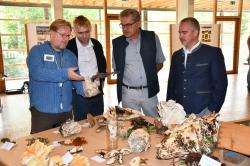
15	116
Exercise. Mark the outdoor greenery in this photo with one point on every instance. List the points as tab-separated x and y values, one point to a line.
24	15
92	14
14	42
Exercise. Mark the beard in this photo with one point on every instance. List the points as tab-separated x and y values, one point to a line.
84	41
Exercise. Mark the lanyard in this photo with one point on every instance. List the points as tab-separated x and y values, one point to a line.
60	84
61	64
54	53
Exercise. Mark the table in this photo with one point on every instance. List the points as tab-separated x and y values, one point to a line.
95	141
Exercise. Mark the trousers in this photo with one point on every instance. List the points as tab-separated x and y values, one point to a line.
138	99
82	106
41	121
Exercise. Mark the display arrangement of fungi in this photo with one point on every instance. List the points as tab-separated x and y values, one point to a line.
184	138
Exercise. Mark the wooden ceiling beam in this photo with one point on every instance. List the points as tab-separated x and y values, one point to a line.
126	4
23	4
118	4
161	4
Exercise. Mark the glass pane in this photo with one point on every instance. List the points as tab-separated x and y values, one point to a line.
159	22
204	17
161	15
227	7
14	60
111	11
158	27
70	13
115	31
15	65
12	23
245	32
227	42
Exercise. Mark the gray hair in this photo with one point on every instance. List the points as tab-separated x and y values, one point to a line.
195	23
131	12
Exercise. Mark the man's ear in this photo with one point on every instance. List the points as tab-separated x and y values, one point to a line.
196	32
139	24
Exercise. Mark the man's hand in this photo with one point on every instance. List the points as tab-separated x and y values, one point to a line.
159	67
73	75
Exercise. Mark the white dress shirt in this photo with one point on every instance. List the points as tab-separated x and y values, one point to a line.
186	52
86	59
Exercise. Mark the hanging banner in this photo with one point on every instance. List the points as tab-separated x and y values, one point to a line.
36	34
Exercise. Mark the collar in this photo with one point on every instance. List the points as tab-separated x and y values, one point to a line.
79	44
138	38
193	48
48	43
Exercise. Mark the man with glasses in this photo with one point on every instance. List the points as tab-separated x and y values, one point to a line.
91	61
52	69
137	56
197	77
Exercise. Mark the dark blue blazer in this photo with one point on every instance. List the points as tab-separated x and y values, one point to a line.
202	84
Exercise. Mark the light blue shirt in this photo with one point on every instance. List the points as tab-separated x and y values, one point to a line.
134	72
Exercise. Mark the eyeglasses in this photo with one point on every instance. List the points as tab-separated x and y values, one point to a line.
63	35
126	25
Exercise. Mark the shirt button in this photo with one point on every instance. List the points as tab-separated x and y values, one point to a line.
185	80
184	96
184	88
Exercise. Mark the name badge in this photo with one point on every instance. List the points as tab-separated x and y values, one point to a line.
48	57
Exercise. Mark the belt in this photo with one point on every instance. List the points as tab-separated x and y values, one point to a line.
134	87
